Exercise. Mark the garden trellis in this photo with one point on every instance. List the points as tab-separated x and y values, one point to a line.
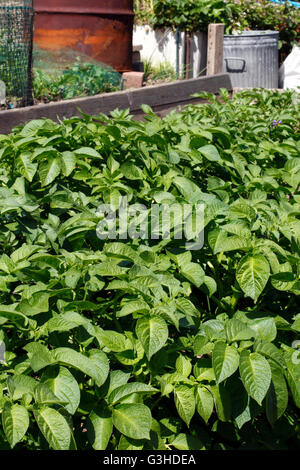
16	32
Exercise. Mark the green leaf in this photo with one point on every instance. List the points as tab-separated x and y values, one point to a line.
126	443
134	306
255	374
194	273
100	359
187	188
236	330
187	442
242	405
26	167
22	384
108	268
54	427
11	314
133	420
270	351
87	152
39	356
44	395
112	340
187	307
99	425
185	402
72	277
210	152
33	126
242	209
131	171
64	386
213	329
222	400
204	403
131	357
116	379
296	325
127	389
277	396
202	345
66	322
68	163
38	303
15	422
152	333
97	370
210	285
293	374
122	251
239	229
49	170
284	279
253	272
225	360
183	365
220	242
265	328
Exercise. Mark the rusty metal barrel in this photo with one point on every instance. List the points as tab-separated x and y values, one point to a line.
101	29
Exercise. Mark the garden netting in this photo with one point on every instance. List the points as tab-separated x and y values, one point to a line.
65	73
16	35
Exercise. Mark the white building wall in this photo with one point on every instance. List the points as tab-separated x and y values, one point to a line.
159	46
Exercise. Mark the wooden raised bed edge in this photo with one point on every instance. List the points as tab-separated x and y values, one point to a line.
162	98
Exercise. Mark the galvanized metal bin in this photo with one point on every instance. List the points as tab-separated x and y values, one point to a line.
251	59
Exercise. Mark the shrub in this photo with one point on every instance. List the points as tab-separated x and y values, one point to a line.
263	15
237	15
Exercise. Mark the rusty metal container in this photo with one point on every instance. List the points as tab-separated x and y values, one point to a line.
101	29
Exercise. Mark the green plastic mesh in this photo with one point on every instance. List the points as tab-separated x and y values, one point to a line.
16	34
58	60
77	72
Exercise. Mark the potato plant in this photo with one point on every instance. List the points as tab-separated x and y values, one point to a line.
141	343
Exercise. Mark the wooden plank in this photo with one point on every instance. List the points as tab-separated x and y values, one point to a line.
167	95
178	91
215	43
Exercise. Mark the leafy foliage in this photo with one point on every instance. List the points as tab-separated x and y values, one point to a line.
237	15
81	79
164	72
140	343
265	15
192	15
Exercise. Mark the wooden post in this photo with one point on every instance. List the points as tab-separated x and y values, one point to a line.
187	60
215	43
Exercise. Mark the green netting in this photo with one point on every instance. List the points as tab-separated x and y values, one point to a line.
16	32
65	73
59	60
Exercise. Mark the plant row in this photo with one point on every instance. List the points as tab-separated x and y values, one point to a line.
141	343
